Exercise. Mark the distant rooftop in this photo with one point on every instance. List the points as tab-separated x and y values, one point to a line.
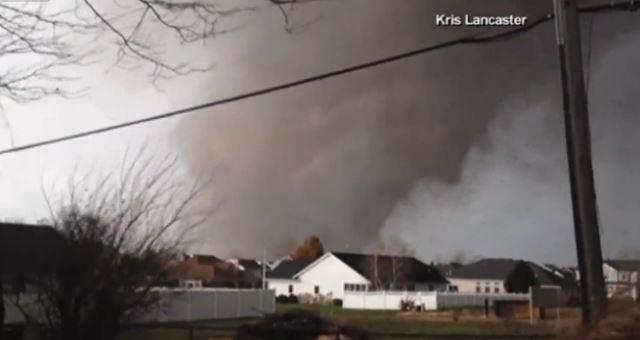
286	269
499	269
624	265
389	268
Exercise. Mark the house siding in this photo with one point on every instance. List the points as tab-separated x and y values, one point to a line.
471	285
330	275
621	283
281	286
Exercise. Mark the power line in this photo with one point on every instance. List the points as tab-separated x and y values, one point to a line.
472	39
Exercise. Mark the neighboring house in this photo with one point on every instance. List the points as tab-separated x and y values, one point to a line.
26	252
567	278
280	278
621	278
489	276
251	271
334	273
446	269
206	270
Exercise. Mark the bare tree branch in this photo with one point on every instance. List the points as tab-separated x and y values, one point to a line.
117	236
39	43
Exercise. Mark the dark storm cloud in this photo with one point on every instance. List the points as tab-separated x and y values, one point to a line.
335	158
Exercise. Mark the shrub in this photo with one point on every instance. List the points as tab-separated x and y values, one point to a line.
406	305
292	299
337	302
298	324
282	299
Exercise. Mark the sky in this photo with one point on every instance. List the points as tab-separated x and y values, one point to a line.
458	152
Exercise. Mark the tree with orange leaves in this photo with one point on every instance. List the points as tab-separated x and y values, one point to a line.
310	250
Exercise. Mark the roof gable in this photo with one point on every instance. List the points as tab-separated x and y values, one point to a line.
385	269
624	265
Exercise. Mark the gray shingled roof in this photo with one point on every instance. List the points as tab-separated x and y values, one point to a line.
249	264
407	269
287	269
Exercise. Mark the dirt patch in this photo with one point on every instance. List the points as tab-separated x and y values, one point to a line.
621	323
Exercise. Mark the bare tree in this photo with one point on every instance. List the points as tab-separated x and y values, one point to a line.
117	237
39	41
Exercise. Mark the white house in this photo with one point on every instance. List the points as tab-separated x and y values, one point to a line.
621	278
489	276
281	279
334	273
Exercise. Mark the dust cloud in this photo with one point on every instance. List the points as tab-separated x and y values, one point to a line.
459	150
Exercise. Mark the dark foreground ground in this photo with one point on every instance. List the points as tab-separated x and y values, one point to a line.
301	321
307	321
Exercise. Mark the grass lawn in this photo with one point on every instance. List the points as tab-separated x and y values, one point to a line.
209	329
416	323
374	322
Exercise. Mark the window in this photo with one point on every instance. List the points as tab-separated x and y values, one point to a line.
266	285
354	287
487	289
316	290
478	290
290	289
496	290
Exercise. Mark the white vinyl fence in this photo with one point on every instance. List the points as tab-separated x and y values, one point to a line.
185	305
391	300
387	300
212	303
458	300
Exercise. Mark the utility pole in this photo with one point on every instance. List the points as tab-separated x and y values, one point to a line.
583	196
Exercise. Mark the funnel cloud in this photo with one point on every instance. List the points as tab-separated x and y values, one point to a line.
457	151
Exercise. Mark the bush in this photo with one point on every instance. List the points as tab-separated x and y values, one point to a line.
286	298
406	305
282	299
298	324
337	302
292	299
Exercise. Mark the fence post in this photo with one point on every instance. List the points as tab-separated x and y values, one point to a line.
486	308
215	304
261	301
384	299
239	303
190	332
531	305
188	305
